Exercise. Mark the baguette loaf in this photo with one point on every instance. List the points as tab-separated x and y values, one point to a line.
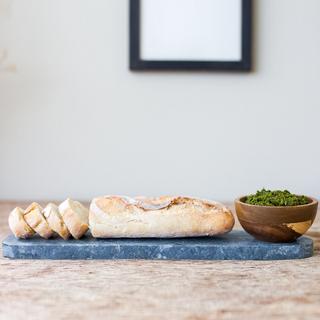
35	219
18	225
117	217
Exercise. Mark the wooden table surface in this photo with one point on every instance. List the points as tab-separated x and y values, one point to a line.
136	289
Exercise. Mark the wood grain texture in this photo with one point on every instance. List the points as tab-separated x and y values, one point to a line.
276	224
193	290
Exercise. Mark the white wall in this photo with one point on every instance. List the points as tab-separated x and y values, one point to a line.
76	122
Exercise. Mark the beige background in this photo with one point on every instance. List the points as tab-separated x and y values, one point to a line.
76	122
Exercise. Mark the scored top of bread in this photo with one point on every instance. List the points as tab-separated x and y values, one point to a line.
55	221
35	219
75	216
18	225
168	216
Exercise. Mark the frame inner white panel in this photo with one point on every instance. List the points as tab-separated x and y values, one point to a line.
194	30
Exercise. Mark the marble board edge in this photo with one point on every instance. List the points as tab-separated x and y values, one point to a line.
236	245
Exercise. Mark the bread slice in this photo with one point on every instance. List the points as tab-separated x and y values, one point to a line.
75	216
18	225
124	217
55	221
35	219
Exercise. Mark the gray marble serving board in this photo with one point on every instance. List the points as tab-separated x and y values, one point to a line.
236	245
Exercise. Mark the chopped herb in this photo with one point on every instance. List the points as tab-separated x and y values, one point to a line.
275	198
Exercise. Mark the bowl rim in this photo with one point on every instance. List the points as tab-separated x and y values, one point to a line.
313	202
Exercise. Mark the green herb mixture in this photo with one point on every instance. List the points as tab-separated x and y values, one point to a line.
275	198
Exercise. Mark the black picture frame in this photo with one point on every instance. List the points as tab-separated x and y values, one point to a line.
137	64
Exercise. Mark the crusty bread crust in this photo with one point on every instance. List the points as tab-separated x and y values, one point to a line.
55	221
35	219
116	216
75	216
18	225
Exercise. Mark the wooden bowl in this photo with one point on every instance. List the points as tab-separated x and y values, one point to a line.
276	224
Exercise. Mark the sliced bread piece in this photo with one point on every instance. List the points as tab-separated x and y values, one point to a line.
35	219
75	216
55	221
18	225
